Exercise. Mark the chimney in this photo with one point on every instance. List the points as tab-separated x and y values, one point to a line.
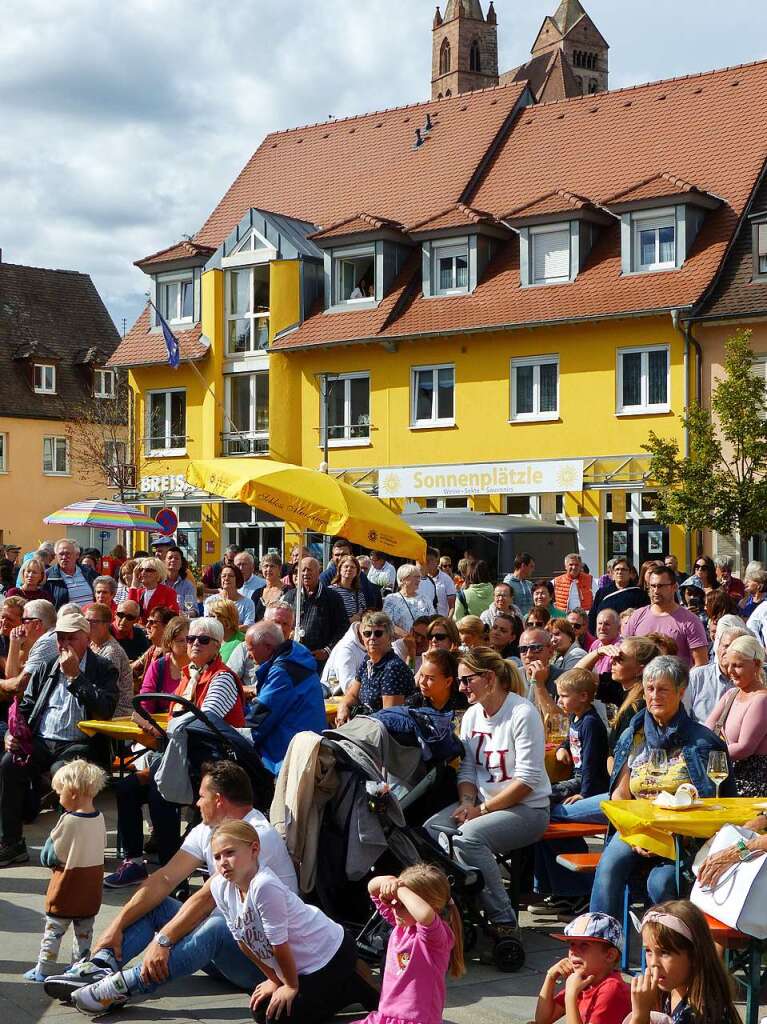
428	124
419	139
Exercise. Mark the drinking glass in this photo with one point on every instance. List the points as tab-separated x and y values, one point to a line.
559	726
718	769
655	768
612	714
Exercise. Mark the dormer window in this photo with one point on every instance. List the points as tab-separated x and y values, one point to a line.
760	249
175	298
45	379
654	240
104	383
354	275
451	266
550	261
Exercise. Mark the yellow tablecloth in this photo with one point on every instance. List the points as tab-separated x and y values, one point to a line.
118	728
641	823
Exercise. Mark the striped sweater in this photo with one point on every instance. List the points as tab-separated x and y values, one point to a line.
75	853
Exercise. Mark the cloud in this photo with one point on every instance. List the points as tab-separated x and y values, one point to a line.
124	123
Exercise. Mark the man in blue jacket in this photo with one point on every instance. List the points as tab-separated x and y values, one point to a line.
288	693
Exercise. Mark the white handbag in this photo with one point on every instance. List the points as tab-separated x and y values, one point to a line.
739	898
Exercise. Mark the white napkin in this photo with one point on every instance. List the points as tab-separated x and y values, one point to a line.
685	796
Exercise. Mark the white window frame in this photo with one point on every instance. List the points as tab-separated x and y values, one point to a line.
652	220
539	232
760	249
57	441
165	451
450	247
47	385
759	369
258	439
347	441
3	452
102	389
176	316
435	421
644	408
337	258
536	415
256	258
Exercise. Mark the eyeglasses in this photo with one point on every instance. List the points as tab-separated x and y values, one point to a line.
439	637
377	633
31	618
203	641
468	677
533	648
126	615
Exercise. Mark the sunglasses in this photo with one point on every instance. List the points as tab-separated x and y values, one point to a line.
468	678
126	615
701	565
377	633
439	637
203	641
534	648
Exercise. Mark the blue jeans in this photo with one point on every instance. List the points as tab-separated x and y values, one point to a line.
617	865
583	811
210	947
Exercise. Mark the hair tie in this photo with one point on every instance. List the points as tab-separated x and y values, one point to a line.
670	921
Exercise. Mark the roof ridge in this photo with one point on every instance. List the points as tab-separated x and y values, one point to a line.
44	270
595	97
459	97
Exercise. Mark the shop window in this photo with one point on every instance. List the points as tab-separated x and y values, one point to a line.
166	423
433	396
643	380
535	388
348	405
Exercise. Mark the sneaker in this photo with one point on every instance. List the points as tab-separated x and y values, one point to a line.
13	853
38	972
84	972
577	906
550	906
101	997
129	873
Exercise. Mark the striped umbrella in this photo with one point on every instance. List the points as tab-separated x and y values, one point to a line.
105	515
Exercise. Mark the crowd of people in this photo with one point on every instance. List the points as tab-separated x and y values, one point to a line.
565	692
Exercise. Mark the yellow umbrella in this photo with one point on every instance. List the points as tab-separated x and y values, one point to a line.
311	500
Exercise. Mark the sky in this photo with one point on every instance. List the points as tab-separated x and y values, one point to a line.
124	123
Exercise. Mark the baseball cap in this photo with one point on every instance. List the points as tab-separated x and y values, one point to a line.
596	928
72	620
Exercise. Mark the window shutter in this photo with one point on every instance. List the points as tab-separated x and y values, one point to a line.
551	255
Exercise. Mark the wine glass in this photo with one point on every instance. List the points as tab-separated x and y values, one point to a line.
718	769
657	766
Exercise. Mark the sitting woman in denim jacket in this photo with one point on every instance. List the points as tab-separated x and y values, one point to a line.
663	725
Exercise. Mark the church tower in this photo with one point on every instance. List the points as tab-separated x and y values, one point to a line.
464	49
572	33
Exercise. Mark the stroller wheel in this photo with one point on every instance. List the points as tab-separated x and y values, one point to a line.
509	955
470	935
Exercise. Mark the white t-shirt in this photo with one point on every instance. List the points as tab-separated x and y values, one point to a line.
274	852
270	914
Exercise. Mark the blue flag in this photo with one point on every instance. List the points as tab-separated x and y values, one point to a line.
171	342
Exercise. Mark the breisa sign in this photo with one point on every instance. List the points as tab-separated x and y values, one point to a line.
483	478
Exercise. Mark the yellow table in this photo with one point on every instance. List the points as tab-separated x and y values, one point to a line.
119	728
642	823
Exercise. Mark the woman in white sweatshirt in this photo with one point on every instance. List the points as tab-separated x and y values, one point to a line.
503	787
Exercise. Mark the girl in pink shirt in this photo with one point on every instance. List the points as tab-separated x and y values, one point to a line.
426	941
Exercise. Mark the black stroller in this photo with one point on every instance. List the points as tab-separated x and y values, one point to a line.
365	830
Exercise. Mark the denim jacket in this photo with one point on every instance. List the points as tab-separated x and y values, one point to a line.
696	742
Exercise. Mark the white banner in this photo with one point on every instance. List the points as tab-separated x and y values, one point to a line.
483	478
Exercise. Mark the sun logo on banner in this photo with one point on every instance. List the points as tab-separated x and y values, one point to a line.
391	483
372	536
566	477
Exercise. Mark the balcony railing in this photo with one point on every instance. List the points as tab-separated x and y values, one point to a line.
244	444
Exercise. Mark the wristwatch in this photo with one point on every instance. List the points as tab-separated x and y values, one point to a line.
483	808
163	940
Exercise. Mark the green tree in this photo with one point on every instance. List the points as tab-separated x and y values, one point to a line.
722	486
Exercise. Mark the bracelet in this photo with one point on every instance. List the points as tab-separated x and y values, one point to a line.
483	808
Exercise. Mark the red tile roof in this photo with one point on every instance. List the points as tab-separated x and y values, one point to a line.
144	347
455	216
324	173
362	223
555	202
708	127
657	187
180	251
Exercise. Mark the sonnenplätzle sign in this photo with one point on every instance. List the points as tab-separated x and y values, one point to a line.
484	478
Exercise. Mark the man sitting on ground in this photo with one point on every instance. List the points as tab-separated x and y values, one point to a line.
177	939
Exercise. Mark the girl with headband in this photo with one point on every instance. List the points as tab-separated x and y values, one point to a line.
685	978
